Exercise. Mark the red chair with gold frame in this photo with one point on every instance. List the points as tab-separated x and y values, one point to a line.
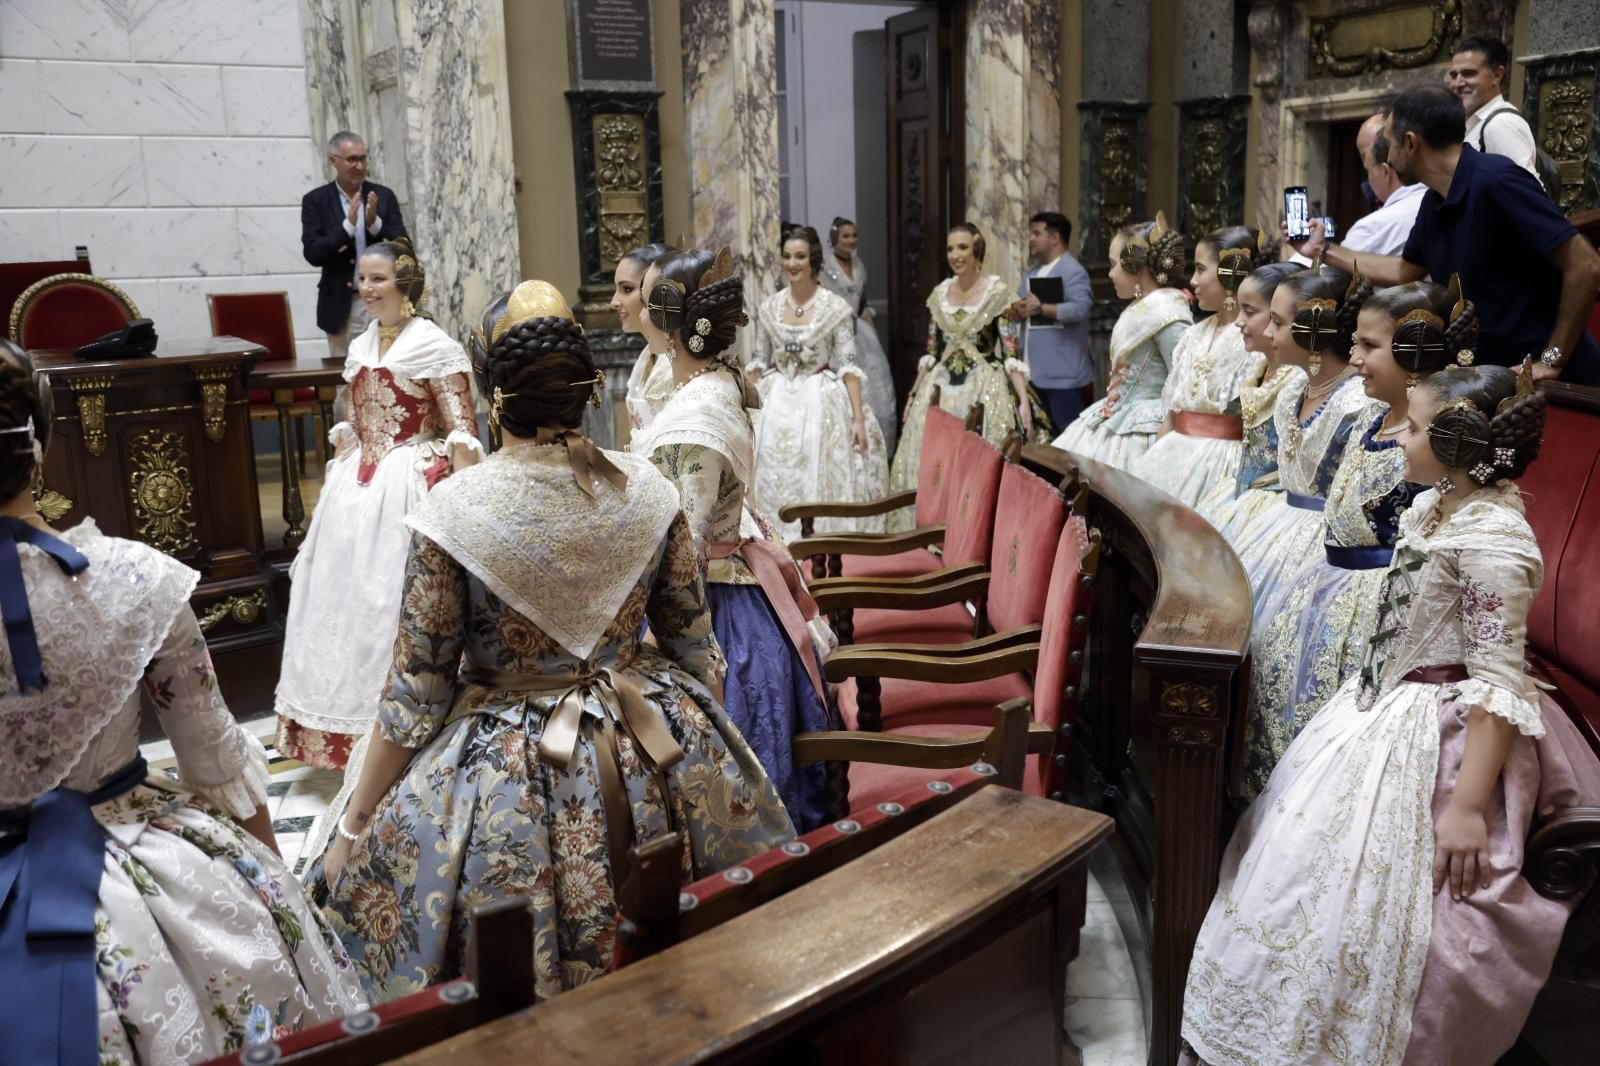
68	311
265	318
16	277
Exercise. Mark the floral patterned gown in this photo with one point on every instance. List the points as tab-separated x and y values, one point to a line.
411	402
1325	942
524	601
203	940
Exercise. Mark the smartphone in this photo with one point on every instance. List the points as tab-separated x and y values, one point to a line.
1329	230
1297	210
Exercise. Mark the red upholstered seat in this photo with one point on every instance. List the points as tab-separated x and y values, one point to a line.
875	783
15	278
262	317
1027	524
1063	637
906	564
69	310
941	436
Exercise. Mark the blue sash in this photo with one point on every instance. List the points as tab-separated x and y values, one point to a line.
1360	557
24	643
1305	503
51	859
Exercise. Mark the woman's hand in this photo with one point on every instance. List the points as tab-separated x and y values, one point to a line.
1460	851
858	434
333	861
1025	413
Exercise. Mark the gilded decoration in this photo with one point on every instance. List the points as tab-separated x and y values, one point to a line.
92	411
620	177
52	505
1401	37
1189	698
213	401
1203	203
162	491
243	609
1564	133
1118	174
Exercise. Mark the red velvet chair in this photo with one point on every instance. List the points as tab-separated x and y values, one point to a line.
265	318
16	277
69	310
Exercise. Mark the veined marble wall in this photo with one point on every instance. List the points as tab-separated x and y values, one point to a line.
172	139
729	84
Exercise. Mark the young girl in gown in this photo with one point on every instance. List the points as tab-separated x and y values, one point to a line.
1316	625
142	919
1146	261
845	275
1256	484
972	358
1202	436
527	738
413	423
703	441
650	383
816	438
1371	906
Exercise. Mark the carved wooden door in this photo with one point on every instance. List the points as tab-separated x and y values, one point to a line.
927	176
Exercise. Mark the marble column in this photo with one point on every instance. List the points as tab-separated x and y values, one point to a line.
730	90
1268	26
1013	119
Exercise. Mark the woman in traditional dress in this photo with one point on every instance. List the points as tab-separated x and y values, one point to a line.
650	383
1256	484
972	358
844	274
816	438
1146	262
1316	621
1371	906
527	738
142	919
702	440
413	423
1201	438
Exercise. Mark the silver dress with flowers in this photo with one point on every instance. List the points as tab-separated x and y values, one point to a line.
524	599
204	941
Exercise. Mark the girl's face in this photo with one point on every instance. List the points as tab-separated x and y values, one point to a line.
379	293
845	243
796	259
1207	287
1255	314
1121	280
1278	334
627	296
1373	358
655	337
1422	466
959	253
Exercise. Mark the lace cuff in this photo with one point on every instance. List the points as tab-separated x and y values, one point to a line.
1518	708
466	440
1016	366
853	371
926	363
342	435
246	791
757	366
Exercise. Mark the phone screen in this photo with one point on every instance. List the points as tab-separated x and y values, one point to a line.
1297	210
1329	230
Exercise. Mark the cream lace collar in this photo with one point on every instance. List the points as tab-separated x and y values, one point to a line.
972	320
564	560
422	350
1145	318
707	411
828	310
1493	519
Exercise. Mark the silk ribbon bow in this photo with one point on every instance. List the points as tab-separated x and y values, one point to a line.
20	636
587	460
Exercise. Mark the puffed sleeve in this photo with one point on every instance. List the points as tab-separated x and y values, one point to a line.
217	757
427	650
1169	390
680	618
697	472
1497	588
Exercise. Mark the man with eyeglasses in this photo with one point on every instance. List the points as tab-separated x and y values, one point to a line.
337	222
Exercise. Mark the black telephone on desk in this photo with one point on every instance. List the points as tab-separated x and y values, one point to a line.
134	341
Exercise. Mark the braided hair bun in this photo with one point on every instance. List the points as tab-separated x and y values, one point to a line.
536	366
1489	421
21	400
1327	302
409	277
1433	327
698	297
1153	246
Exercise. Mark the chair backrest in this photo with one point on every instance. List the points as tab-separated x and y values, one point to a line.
969	514
1027	524
16	277
261	317
941	435
1062	642
68	310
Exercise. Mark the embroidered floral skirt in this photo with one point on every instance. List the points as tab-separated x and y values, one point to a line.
1105	440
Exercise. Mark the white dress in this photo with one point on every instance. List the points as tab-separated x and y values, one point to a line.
804	451
410	406
202	940
1209	365
649	389
870	357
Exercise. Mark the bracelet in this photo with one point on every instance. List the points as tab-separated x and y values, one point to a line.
338	827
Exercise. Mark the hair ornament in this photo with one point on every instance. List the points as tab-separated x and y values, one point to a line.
697	343
1460	437
702	326
599	383
1233	266
1525	387
1261	242
1315	326
1461	301
496	405
1504	457
1355	278
721	267
1160	228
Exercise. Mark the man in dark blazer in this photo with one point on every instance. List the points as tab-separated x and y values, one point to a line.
337	222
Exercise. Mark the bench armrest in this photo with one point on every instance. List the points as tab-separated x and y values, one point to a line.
1563	862
867	543
845	509
992	642
939	669
959	589
899	749
909	581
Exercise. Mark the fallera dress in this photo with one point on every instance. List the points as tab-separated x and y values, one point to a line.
803	447
1120	427
1317	623
1201	396
1326	942
410	404
1256	485
542	725
771	639
649	389
195	940
879	389
972	353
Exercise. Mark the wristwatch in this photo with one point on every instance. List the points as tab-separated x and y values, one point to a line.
1551	357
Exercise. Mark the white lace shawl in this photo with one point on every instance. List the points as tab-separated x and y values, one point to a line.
97	633
1145	318
422	350
708	411
827	338
565	560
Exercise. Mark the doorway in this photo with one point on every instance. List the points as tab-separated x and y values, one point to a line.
1346	173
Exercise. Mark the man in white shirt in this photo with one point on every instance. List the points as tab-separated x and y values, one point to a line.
1383	231
1476	74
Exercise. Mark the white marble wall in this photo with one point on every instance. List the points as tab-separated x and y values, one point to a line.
169	136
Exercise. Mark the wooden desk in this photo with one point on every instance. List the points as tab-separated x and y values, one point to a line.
282	377
945	945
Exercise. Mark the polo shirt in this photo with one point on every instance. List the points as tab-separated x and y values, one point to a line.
1498	229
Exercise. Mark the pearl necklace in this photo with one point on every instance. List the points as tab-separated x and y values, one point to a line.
1316	392
708	368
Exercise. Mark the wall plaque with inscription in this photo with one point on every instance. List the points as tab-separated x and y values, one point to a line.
613	42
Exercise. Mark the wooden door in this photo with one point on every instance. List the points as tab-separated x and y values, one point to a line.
927	171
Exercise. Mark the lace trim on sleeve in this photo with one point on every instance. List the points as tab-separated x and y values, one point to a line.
852	371
926	362
1016	366
241	795
1518	708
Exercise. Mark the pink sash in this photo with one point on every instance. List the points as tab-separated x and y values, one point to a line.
780	580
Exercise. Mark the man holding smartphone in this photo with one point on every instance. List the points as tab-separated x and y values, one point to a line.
1382	231
1531	274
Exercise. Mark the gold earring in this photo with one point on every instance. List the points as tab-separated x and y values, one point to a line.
1230	305
1314	364
1138	291
1411	383
407	308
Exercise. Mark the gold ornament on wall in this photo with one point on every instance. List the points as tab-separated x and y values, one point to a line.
161	489
243	609
52	505
1564	126
1401	36
620	178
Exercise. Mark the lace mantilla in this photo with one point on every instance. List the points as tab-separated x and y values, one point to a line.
565	560
97	634
1144	318
708	411
422	350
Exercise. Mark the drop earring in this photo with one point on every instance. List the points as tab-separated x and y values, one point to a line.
1138	291
1230	305
1411	383
1445	485
1314	364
